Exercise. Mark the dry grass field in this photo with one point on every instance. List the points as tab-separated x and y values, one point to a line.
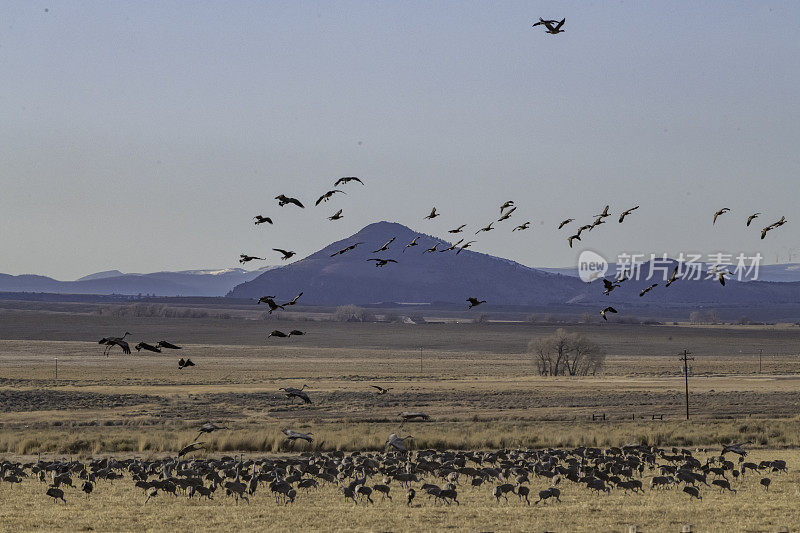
476	381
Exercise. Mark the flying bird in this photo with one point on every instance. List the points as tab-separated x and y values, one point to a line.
325	197
507	215
110	342
522	227
283	200
385	246
464	247
271	303
506	206
609	286
571	238
148	347
626	213
347	179
648	289
433	214
720	212
209	427
382	262
458	229
294	300
751	218
244	258
604	214
432	249
673	278
294	435
293	393
277	333
607	310
452	246
381	390
485	228
345	250
286	253
412	243
183	364
565	222
474	302
771	227
168	345
260	220
336	216
193	447
553	26
296	333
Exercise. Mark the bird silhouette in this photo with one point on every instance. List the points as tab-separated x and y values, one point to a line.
385	246
296	333
648	289
673	278
464	247
506	205
431	249
168	345
244	258
485	228
336	216
522	227
345	250
286	253
720	212
751	218
148	347
572	238
565	222
412	243
609	286
294	300
347	179
607	310
283	200
277	333
433	214
325	197
452	246
553	26
271	303
193	447
474	302
260	220
626	213
184	363
458	229
381	390
507	215
382	262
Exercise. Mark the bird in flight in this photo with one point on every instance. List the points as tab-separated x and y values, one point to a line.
283	200
777	224
260	220
575	237
336	216
293	300
325	197
385	246
184	363
458	229
148	347
347	249
648	289
720	212
286	254
452	246
244	258
485	228
277	333
506	206
507	215
412	243
294	435
271	303
464	247
751	218
626	213
168	345
193	447
381	390
474	301
553	26
609	286
432	249
604	214
565	222
382	262
347	179
522	227
433	214
673	278
296	333
607	310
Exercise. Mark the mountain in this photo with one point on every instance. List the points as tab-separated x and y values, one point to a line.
417	277
183	283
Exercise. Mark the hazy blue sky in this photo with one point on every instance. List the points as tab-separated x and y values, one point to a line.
145	136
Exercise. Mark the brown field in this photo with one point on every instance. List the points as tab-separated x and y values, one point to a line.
475	380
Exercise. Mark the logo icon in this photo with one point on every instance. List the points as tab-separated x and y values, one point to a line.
591	266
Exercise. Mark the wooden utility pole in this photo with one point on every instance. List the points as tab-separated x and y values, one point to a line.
420	360
56	368
685	358
760	351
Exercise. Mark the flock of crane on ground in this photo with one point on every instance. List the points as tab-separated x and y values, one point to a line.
437	476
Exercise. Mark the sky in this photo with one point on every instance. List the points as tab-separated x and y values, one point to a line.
144	136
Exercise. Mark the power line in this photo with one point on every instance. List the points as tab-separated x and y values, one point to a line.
685	358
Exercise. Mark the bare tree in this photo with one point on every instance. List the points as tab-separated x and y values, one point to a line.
565	353
352	313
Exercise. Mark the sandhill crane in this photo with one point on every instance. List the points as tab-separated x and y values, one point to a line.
506	215
522	227
325	197
260	220
506	205
604	213
283	200
431	249
294	300
110	342
87	487
451	247
384	490
184	363
294	435
485	228
296	333
771	227
244	258
694	492
607	310
433	214
209	427
751	218
410	495
381	390
277	333
148	347
271	303
585	227
168	345
56	494
648	289
673	278
336	216
597	222
765	483
286	253
385	246
293	393
412	243
151	493
720	212
735	448
464	247
565	222
382	262
572	238
553	26
398	443
626	213
407	415
474	302
345	250
193	447
609	286
458	229
347	179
